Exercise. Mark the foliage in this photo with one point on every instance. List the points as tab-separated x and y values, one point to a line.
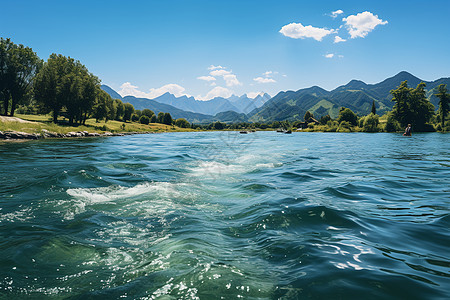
144	120
347	115
120	110
370	123
444	98
324	119
18	67
374	109
411	106
65	83
167	119
182	123
308	116
128	111
392	124
160	117
147	112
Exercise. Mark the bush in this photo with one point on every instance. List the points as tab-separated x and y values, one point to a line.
391	124
134	118
144	120
182	123
346	114
345	126
370	123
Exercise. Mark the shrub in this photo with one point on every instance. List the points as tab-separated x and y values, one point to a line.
391	124
370	123
346	114
144	120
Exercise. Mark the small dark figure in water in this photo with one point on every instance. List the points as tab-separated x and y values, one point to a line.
408	130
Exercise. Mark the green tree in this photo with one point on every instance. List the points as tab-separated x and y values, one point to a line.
182	123
101	108
147	112
153	119
128	111
18	67
411	106
112	109
144	120
120	109
48	85
167	119
308	116
444	98
371	123
374	109
346	114
160	117
324	119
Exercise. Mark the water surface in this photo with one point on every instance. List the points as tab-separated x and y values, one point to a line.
219	214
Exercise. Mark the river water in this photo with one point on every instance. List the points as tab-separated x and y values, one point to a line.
223	215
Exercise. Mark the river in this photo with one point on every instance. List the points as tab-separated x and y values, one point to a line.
223	215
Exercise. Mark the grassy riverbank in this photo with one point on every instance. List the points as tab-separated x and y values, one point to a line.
37	123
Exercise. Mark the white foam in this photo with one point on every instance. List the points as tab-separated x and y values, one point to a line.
147	198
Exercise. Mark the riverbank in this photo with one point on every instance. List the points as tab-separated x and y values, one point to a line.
33	127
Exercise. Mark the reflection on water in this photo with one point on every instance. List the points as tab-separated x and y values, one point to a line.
211	215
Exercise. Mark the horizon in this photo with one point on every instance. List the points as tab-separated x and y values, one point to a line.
230	48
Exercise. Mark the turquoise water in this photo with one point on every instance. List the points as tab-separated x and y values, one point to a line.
225	215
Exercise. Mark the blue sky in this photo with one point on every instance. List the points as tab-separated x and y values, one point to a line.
219	48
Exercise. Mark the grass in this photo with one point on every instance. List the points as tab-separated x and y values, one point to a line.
41	122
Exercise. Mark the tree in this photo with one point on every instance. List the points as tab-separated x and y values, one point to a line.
374	109
412	106
112	109
182	123
65	83
219	126
346	114
101	108
308	116
371	123
128	111
324	119
167	119
153	119
160	117
48	83
18	67
144	120
147	112
120	109
444	97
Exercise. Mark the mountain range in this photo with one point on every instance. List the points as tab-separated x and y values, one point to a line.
286	105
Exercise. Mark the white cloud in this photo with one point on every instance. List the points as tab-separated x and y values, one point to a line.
127	89
213	84
361	24
220	72
213	67
206	78
298	31
218	91
329	55
252	95
268	73
336	13
338	39
264	80
231	80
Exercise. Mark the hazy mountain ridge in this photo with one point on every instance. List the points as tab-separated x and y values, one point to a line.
286	105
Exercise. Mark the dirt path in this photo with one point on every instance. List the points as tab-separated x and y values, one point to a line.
13	119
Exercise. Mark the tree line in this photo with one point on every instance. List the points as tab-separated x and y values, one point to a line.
61	86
